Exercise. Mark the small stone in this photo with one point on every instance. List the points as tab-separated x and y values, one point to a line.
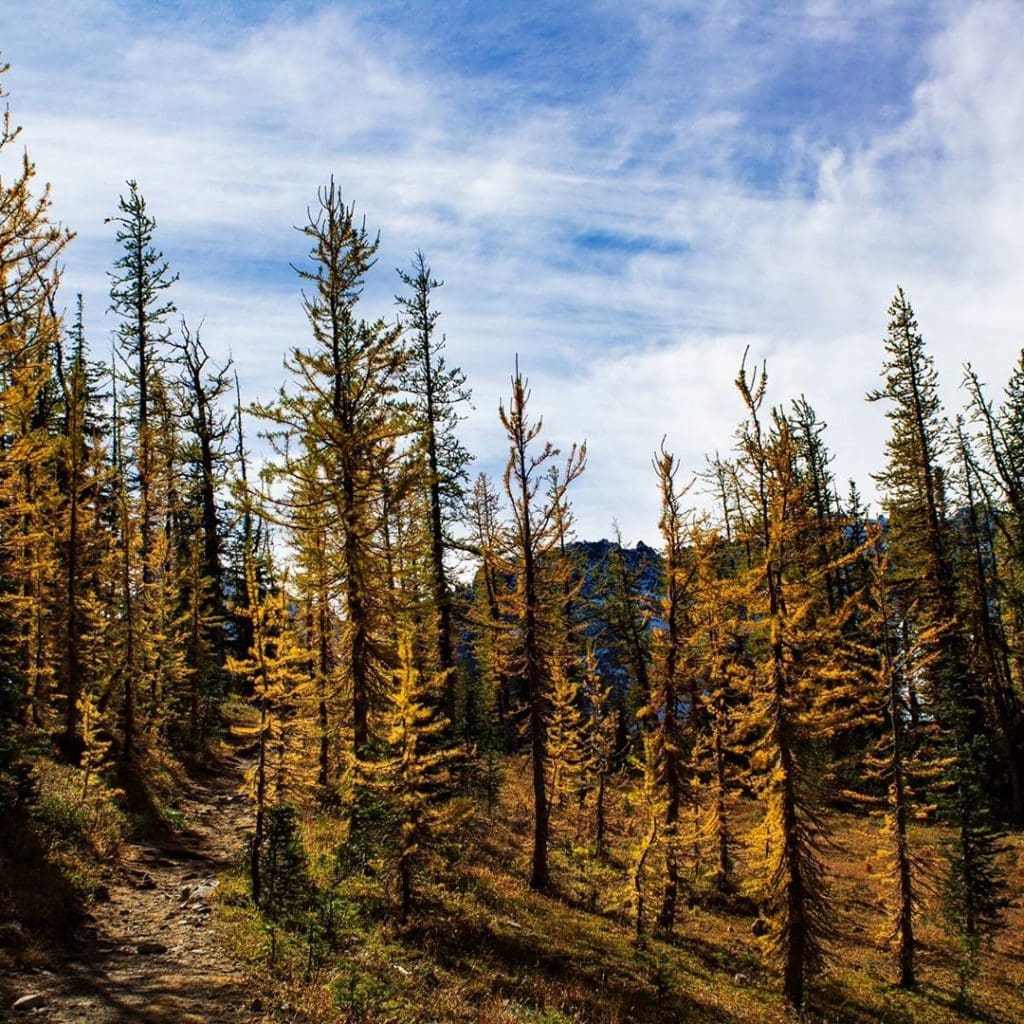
149	948
759	928
204	892
740	979
25	1004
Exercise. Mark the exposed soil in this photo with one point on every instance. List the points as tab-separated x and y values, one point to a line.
150	954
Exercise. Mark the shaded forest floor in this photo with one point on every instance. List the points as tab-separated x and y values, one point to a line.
140	947
483	948
168	935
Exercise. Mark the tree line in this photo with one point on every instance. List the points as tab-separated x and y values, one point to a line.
795	651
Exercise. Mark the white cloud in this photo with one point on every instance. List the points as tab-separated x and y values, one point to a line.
230	131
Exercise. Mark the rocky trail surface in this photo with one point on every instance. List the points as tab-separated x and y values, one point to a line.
149	953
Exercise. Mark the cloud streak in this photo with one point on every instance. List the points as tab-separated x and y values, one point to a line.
628	206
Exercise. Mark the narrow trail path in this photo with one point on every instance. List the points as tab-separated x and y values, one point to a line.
150	954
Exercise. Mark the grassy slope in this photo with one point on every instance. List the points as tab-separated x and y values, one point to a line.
485	948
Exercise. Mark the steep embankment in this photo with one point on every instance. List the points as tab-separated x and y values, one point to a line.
148	952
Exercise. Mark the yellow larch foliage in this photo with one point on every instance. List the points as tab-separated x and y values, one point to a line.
416	777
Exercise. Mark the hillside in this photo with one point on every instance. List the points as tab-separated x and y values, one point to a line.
482	947
169	936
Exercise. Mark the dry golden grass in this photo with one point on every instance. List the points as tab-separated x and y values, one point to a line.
484	948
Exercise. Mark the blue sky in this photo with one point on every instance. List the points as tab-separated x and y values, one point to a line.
627	195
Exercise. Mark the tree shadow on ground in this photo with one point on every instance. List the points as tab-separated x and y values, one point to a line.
41	911
520	964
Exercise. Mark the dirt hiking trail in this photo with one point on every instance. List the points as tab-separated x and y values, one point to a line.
149	954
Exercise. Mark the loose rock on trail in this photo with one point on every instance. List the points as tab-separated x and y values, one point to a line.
149	954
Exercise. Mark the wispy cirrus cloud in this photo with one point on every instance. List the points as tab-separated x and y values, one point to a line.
626	198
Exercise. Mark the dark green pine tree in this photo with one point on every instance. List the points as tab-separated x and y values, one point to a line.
437	391
85	483
138	298
499	688
202	387
921	546
819	483
621	611
144	454
997	534
894	763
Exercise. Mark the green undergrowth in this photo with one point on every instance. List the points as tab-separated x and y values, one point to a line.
74	814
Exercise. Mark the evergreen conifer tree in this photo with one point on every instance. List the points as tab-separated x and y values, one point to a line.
492	642
894	760
922	559
84	538
438	391
202	387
